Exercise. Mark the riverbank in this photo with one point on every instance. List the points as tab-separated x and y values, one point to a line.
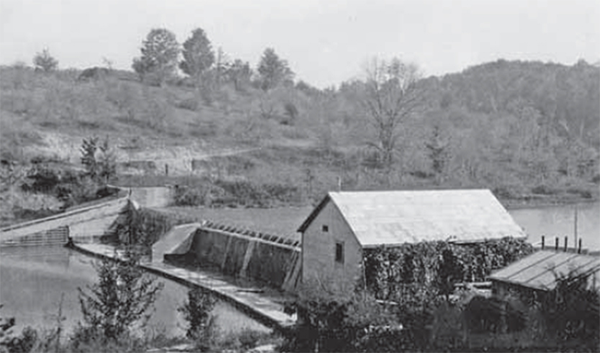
265	306
517	204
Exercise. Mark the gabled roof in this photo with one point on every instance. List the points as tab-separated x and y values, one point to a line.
540	270
398	217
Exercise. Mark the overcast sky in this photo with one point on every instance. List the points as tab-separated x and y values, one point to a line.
325	41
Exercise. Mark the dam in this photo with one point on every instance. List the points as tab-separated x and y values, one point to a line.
251	271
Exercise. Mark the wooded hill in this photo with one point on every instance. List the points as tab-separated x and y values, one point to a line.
526	130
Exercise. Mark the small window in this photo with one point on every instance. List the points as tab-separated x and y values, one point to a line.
339	252
325	228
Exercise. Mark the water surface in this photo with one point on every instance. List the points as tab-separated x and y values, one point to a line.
559	221
33	280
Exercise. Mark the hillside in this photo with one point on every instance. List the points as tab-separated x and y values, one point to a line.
527	130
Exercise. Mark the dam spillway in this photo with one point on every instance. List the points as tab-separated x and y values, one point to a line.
242	253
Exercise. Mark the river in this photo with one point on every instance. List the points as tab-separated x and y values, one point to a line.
558	221
33	280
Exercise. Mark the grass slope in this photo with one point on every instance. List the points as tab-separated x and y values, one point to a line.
251	148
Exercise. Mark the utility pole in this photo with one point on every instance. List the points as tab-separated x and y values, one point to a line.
575	225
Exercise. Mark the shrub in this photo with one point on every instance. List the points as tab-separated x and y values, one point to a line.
292	113
92	340
193	196
249	194
543	190
190	104
494	315
249	338
44	61
119	299
334	321
586	194
23	343
571	311
197	312
144	227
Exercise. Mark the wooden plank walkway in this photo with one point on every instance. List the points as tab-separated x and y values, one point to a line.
266	306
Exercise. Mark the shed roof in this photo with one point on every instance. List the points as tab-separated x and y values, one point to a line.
540	270
398	217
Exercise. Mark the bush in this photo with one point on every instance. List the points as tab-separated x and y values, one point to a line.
92	340
543	190
335	321
249	194
388	269
190	104
292	113
118	300
193	196
196	311
571	311
23	343
144	227
494	315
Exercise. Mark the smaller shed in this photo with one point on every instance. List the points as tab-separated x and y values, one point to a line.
539	271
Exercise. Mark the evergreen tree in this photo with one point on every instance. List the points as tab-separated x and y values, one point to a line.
198	55
120	298
273	70
159	55
44	61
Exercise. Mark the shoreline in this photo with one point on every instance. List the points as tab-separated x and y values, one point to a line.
263	308
518	204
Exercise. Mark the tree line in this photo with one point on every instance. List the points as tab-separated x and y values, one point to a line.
524	129
160	53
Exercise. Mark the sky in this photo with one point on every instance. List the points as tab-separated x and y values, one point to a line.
325	42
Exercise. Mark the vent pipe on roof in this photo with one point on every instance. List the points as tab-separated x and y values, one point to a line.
556	243
566	241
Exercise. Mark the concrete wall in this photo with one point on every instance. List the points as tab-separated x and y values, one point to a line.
85	224
56	236
319	247
244	256
152	196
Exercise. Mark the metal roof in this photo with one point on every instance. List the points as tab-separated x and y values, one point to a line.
540	270
398	217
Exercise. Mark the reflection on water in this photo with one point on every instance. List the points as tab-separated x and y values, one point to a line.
32	281
558	221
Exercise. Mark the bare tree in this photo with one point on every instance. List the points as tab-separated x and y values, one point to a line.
391	97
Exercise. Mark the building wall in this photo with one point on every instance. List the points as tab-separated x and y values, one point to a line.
319	250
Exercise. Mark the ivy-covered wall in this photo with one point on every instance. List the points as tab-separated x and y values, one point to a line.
440	264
